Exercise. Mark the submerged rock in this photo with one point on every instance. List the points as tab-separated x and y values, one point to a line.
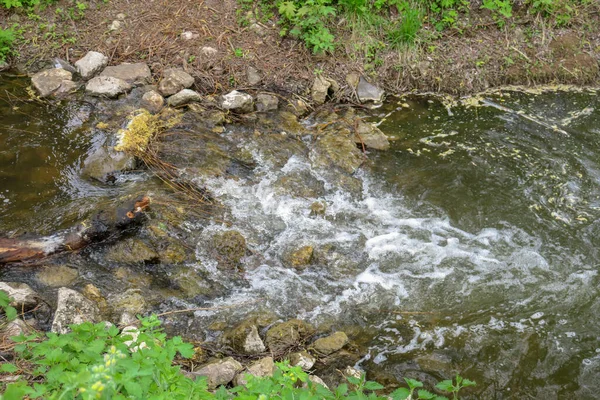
368	92
183	97
24	297
266	102
73	308
131	250
134	74
48	82
107	86
92	63
173	81
153	101
336	150
238	102
57	276
371	136
285	335
245	339
299	257
219	372
229	246
105	162
299	184
261	368
331	343
191	283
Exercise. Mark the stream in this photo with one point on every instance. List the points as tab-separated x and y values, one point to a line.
468	247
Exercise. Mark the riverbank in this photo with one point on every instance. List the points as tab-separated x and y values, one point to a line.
228	45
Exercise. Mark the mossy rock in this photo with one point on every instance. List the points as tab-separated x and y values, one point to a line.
132	251
284	336
131	301
191	283
336	151
229	246
330	344
57	276
300	257
300	184
245	339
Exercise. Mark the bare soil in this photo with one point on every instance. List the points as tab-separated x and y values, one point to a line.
528	52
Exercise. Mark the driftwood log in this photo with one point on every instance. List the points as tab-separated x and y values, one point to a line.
103	225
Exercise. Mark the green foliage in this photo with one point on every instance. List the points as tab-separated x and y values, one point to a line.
308	20
406	30
22	3
95	361
9	312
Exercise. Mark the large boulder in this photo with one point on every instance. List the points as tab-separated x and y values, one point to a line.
283	336
92	63
368	92
336	150
107	86
184	97
134	74
49	81
219	372
238	102
246	340
173	81
261	368
331	343
73	308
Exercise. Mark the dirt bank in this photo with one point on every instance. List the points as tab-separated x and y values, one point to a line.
217	51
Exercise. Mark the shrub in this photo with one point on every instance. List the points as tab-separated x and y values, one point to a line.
7	38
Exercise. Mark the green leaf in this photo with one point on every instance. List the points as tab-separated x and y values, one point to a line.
425	395
400	394
370	385
341	390
446	386
467	383
11	313
413	384
353	380
134	389
287	9
9	368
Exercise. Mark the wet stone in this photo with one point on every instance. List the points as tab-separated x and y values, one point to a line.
131	301
245	339
230	246
299	258
152	101
336	150
107	86
131	250
57	276
368	92
266	102
49	81
103	164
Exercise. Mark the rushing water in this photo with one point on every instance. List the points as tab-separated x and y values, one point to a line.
471	249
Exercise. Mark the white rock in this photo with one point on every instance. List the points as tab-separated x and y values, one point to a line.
73	308
92	63
121	16
238	102
209	51
22	294
303	360
107	86
115	26
187	35
183	97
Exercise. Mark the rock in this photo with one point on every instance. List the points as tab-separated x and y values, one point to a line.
219	372
92	63
12	328
107	86
299	184
253	76
73	308
299	258
261	368
303	360
258	29
92	293
187	35
283	336
173	81
131	250
60	63
183	97
371	136
318	208
24	298
209	51
190	283
352	80
49	81
319	90
331	343
368	92
121	16
105	162
153	101
135	74
131	301
115	26
336	150
245	339
230	246
66	88
297	107
266	102
57	276
238	102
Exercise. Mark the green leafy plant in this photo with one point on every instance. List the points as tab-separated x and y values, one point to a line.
307	20
10	313
7	39
501	10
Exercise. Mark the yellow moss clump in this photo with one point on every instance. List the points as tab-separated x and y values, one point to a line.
136	136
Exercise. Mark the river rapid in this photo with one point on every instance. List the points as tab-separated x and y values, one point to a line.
468	247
